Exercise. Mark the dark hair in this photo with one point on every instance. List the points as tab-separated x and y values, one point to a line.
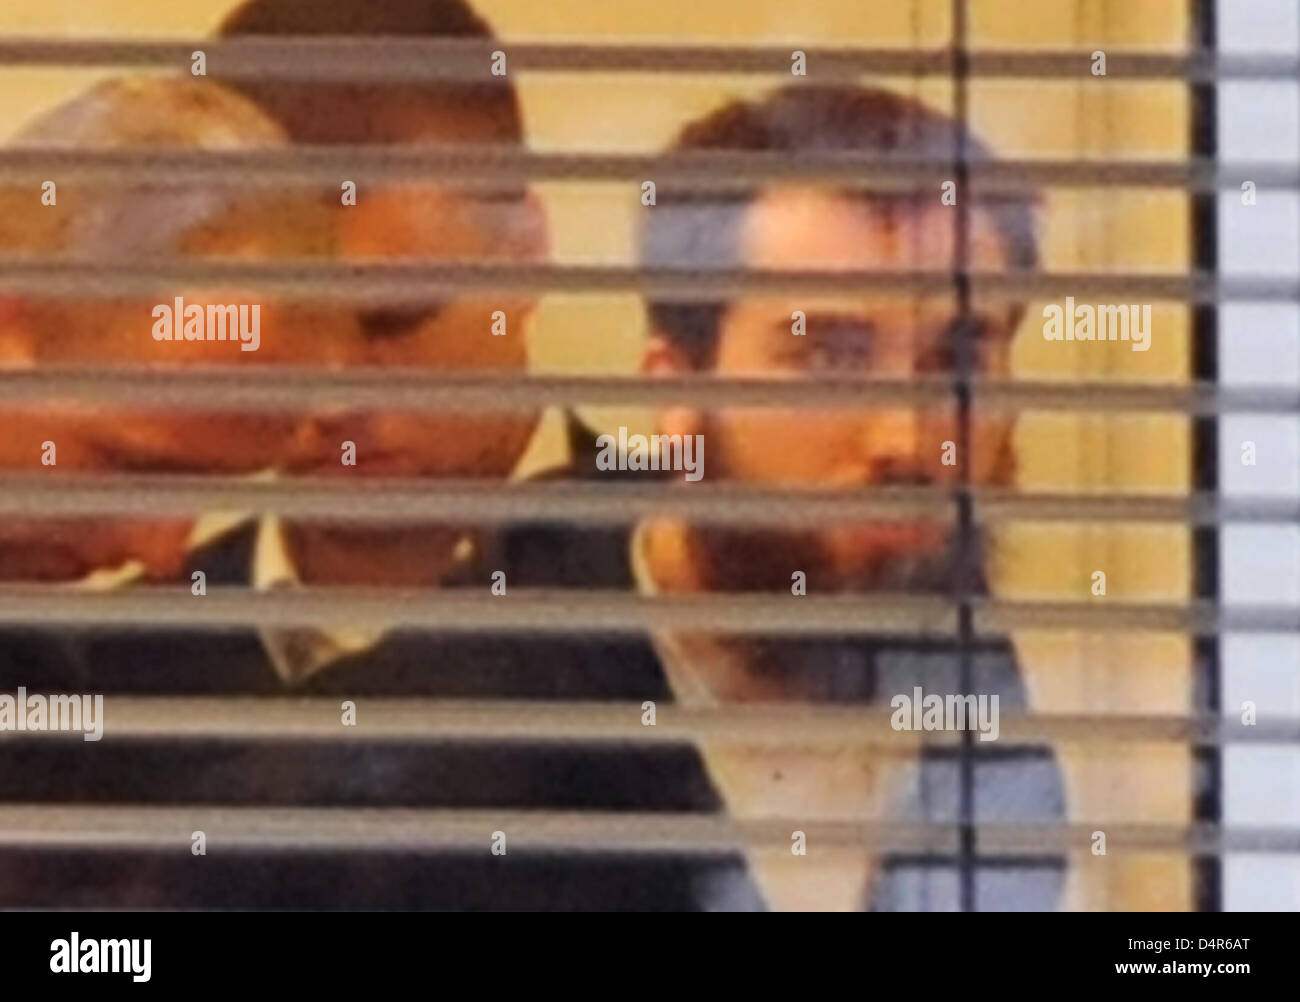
701	230
336	112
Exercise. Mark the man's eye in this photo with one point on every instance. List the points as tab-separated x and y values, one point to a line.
820	357
846	345
807	354
940	358
828	347
386	324
792	350
962	338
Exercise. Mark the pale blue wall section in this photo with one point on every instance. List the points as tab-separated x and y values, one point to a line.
1259	344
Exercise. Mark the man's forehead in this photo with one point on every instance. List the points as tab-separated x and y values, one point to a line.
800	228
297	223
892	312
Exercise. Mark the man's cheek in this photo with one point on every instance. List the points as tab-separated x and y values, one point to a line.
740	449
68	549
161	547
771	447
850	548
989	457
488	445
23	446
472	336
993	461
380	228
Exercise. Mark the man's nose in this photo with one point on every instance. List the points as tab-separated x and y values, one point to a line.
323	432
892	449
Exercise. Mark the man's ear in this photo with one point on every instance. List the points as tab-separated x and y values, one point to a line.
665	359
539	233
17	346
527	236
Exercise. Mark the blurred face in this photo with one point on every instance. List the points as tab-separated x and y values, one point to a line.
103	439
444	337
901	337
413	221
450	336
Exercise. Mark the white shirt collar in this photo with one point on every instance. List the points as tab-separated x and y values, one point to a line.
295	652
680	653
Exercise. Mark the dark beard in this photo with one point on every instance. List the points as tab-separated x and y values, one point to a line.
828	667
763	560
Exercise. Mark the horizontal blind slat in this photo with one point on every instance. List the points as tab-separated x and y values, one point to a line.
590	505
392	58
723	171
359	829
277	387
559	611
421	282
411	718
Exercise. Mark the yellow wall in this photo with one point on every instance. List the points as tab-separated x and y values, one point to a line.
1147	230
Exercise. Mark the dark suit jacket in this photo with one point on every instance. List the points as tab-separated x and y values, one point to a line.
649	777
1003	785
994	782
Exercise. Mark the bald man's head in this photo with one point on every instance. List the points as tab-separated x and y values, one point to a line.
231	218
147	220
